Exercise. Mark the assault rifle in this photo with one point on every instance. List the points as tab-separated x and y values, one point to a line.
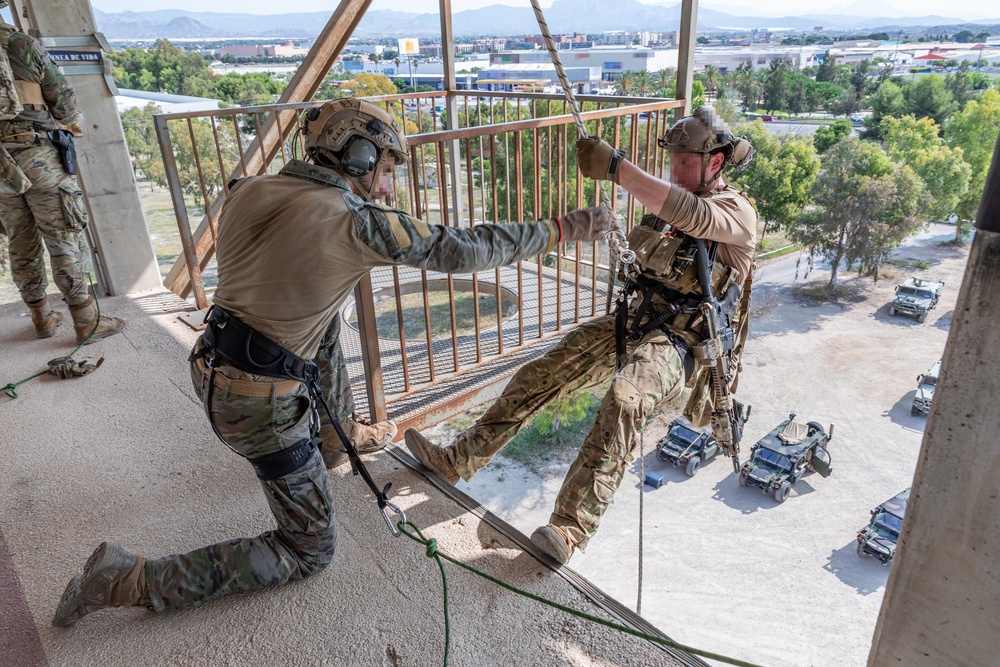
728	415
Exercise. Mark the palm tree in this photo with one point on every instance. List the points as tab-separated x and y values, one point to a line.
643	85
625	85
666	83
745	83
711	73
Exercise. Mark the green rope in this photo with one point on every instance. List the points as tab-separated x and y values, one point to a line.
432	552
11	388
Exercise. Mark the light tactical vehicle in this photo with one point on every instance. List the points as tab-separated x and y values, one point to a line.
784	455
916	297
879	537
687	446
926	384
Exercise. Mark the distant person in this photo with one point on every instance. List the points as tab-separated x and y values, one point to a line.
648	358
41	205
291	249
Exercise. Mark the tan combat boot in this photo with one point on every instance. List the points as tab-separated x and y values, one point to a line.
44	318
86	323
112	577
439	459
367	438
553	542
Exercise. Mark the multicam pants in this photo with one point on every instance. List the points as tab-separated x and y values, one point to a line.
301	502
584	358
52	212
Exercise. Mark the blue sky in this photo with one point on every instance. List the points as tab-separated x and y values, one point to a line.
964	9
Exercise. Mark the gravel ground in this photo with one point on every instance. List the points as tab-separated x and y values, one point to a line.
728	569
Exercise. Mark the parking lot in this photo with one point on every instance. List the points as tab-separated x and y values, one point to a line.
727	568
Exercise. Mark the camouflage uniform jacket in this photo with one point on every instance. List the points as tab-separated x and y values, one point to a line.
292	247
31	62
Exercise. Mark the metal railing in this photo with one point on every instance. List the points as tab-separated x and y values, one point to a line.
427	345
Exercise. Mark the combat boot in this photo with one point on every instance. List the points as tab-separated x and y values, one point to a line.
44	318
112	577
553	542
365	437
439	459
85	321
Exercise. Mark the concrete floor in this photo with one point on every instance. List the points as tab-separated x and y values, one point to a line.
126	454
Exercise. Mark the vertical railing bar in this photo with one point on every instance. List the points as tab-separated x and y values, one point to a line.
218	152
239	144
634	153
442	185
402	330
519	198
180	211
537	210
454	320
427	325
212	225
496	213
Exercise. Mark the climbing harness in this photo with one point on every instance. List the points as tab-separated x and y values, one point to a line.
229	341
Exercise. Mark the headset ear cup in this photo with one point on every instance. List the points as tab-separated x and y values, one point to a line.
742	152
359	156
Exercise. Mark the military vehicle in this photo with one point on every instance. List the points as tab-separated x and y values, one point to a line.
784	455
926	384
879	537
687	446
916	297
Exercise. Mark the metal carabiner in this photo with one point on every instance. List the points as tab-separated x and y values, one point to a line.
385	517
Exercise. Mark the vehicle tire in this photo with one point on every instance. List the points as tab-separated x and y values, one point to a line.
742	480
692	466
814	428
781	493
922	317
914	412
892	311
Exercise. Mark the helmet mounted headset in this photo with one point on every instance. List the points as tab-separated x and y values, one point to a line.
354	137
704	132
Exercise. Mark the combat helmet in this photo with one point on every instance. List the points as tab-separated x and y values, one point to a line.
353	136
705	132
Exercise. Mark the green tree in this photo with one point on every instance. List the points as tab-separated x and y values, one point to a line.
625	83
143	147
712	79
775	85
780	176
745	83
974	130
942	169
888	102
827	69
828	135
960	85
865	207
929	97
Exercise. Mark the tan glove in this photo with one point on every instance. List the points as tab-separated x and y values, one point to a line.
75	128
597	159
586	224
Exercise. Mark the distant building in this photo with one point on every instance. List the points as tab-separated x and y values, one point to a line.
261	51
490	45
561	41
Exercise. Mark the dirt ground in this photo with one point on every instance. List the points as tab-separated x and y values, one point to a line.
728	569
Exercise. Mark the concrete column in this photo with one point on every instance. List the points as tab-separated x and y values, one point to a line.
451	111
942	602
117	229
686	40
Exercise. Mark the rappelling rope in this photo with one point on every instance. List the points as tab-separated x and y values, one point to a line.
617	242
642	484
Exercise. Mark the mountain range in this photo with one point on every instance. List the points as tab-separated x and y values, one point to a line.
565	16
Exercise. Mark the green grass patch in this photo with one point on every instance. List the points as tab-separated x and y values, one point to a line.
819	292
557	430
439	305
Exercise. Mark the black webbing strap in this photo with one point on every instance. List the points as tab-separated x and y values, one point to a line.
227	340
674	302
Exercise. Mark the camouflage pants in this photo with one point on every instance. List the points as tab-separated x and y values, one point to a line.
50	214
584	358
301	502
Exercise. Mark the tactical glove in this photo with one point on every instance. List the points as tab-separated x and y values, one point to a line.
68	367
597	159
75	128
586	224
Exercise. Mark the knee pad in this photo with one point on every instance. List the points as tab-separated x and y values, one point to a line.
627	395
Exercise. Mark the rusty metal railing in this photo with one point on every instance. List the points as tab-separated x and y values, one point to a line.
426	345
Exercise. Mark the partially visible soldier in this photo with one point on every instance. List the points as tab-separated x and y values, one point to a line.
41	205
653	347
291	249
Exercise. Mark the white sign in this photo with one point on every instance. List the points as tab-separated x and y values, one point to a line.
408	46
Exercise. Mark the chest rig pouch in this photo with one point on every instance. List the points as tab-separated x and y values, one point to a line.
668	292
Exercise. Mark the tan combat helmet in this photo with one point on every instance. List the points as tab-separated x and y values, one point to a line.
355	137
706	133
